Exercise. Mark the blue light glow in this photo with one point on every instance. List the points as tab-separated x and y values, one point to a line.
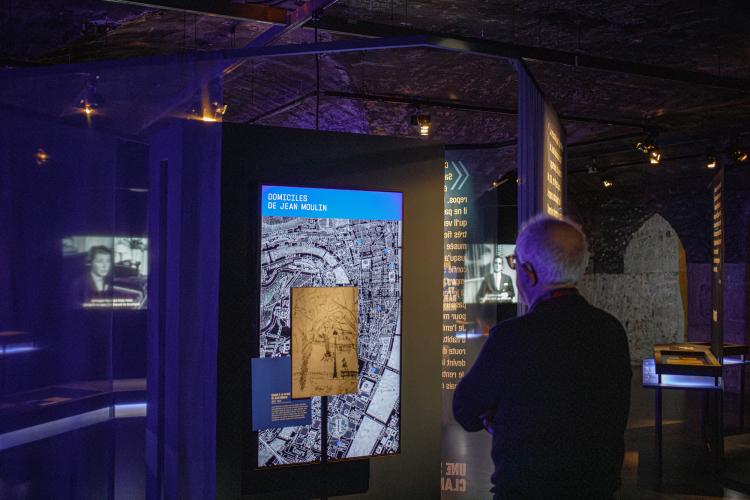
67	424
469	335
734	361
130	410
651	379
17	349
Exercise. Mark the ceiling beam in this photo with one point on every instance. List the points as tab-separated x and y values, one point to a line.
223	55
290	18
458	105
282	108
479	47
294	18
540	54
441	103
510	143
354	27
221	8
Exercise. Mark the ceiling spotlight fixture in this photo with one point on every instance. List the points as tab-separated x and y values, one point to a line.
740	155
211	113
649	147
219	110
654	156
41	157
88	106
593	169
608	182
509	176
423	121
89	99
711	160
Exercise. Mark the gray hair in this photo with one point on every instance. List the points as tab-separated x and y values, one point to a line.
556	248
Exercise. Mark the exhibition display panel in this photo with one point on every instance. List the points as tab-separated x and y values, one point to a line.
330	298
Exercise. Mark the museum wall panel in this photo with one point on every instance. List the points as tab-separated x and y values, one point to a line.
308	158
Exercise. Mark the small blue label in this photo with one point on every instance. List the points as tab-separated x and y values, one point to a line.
273	405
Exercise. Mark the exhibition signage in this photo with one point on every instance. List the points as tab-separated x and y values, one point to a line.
553	179
271	397
717	267
284	201
540	152
330	302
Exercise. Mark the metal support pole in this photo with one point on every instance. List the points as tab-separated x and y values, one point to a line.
324	445
716	437
742	394
704	415
658	427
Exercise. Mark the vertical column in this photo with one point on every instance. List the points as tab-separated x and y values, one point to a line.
717	268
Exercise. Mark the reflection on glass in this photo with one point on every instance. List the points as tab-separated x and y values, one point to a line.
112	272
488	279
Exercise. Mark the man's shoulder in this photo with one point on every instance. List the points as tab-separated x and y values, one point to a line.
603	317
507	327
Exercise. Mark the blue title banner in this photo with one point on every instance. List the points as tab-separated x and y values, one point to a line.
316	203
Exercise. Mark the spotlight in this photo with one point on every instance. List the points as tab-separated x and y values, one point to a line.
212	113
89	100
593	169
654	156
643	146
711	160
648	147
608	182
87	106
740	155
219	109
424	124
41	157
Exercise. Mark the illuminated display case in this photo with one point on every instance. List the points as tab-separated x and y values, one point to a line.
686	359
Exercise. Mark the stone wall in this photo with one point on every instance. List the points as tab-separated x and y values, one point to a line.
621	251
649	296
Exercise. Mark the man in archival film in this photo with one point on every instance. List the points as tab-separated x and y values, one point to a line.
496	286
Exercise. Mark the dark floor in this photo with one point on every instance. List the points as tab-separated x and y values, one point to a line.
688	468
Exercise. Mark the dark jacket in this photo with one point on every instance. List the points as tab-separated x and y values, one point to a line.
558	381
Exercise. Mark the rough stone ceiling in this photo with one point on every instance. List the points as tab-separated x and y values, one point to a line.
708	36
711	36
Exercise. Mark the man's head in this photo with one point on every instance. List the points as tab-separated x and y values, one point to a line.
551	253
497	264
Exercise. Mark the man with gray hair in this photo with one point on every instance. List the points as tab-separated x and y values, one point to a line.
551	386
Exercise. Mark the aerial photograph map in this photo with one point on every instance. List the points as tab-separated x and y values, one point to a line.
318	247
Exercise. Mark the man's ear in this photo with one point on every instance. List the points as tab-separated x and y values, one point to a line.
529	270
